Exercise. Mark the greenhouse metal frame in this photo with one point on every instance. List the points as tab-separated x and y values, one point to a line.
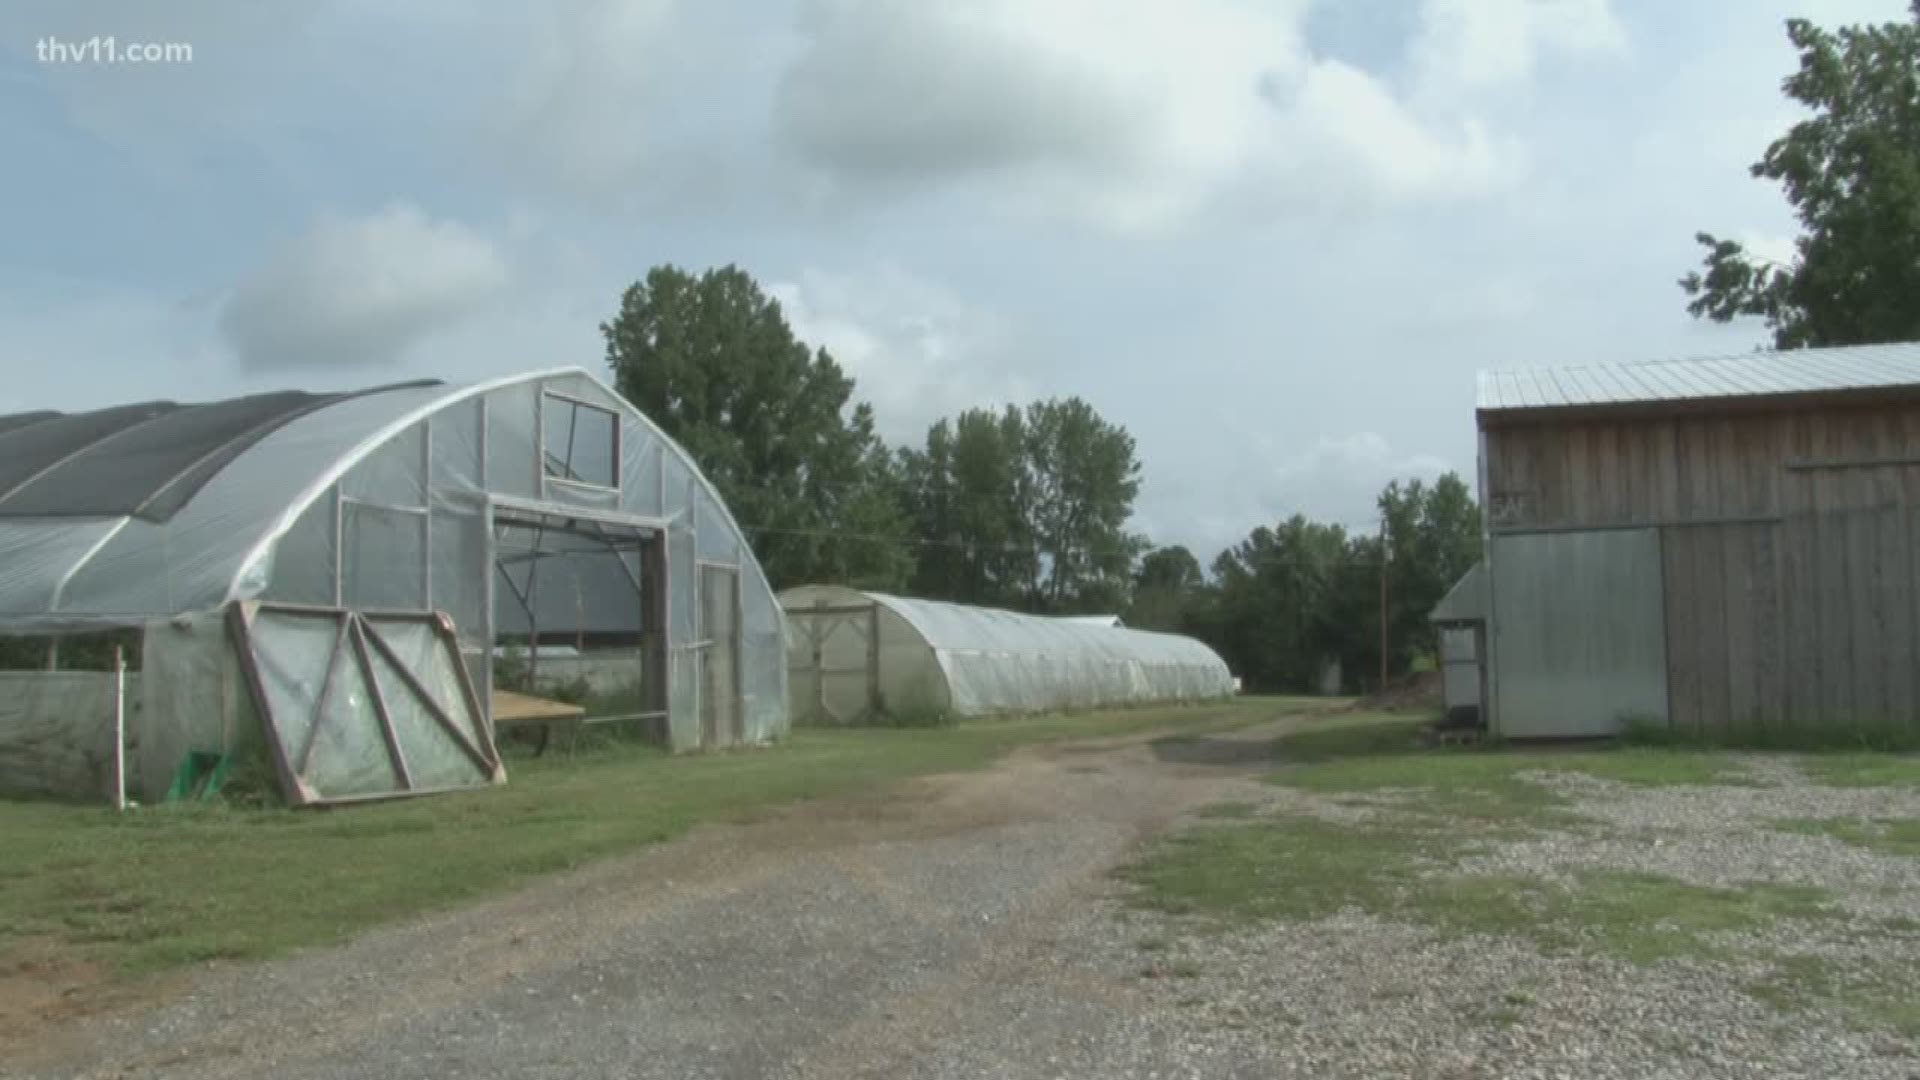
855	656
321	574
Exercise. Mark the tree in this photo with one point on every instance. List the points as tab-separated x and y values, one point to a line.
1169	591
1433	534
1271	622
1025	509
713	362
1084	479
967	494
1290	598
1851	171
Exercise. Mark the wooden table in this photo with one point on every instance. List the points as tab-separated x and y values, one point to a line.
514	709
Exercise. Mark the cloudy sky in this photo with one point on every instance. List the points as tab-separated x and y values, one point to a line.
1273	238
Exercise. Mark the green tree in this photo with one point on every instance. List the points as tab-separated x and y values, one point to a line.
1025	509
712	360
1169	591
1271	621
1851	171
967	494
1291	598
1084	478
1433	533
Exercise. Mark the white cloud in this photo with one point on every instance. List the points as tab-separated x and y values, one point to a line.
580	109
915	351
1134	112
1473	45
358	292
1775	248
1338	479
57	336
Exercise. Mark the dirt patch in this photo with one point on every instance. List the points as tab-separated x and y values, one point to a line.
799	934
1420	692
43	984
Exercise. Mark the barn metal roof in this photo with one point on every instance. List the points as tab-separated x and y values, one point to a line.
1756	374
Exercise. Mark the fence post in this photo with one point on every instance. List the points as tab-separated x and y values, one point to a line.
875	705
119	730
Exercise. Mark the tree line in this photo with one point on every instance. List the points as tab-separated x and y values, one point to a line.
1023	507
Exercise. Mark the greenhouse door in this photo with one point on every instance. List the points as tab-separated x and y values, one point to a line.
719	633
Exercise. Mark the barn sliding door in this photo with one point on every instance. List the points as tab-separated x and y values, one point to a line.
1579	630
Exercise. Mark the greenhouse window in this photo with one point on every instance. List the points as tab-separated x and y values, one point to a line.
581	442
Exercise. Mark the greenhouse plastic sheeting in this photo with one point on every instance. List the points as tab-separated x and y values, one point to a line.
972	661
386	500
349	724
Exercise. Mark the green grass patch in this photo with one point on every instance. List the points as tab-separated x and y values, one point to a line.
169	885
1302	867
1871	995
1888	836
1441	803
1373	753
1861	736
1862	770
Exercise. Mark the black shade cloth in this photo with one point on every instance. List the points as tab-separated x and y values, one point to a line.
146	460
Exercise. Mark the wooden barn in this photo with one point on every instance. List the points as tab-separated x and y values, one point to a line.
1713	545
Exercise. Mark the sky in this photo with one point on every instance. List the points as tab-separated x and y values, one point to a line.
1274	239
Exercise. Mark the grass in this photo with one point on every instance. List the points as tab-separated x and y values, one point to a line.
1882	736
1229	811
1373	753
1888	836
1437	806
165	886
1863	770
1871	995
1301	868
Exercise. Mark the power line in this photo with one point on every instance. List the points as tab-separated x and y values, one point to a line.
975	545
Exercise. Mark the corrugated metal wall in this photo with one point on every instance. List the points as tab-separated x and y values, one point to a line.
1579	634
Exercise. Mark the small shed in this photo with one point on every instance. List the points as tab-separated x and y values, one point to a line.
855	656
1460	619
1716	545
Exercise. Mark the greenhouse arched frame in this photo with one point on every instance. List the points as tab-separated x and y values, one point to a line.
854	656
340	576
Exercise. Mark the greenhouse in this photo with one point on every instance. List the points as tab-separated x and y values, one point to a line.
344	588
855	657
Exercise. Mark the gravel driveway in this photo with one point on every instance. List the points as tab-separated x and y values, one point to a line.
961	926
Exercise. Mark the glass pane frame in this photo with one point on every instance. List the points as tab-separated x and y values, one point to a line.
371	657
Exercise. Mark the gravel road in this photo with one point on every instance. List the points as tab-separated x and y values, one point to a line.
967	926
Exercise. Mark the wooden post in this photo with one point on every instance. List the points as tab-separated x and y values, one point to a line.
874	704
819	664
119	730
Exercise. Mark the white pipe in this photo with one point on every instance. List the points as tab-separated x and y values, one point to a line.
119	730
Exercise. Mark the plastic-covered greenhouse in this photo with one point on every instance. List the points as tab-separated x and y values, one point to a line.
853	655
340	582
